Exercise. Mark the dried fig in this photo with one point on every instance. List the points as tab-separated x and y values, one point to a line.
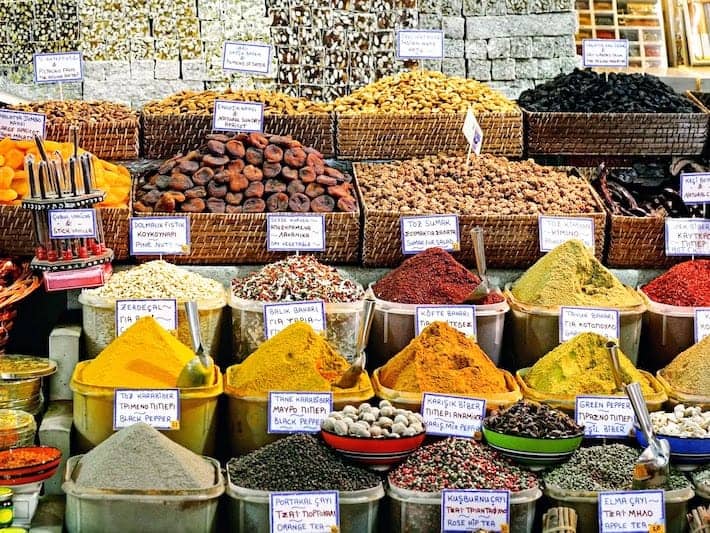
339	191
347	204
202	175
216	147
233	209
314	190
258	140
254	205
295	186
166	204
281	140
188	167
326	180
273	185
253	173
167	166
299	202
334	173
222	177
307	175
140	207
277	202
254	156
180	182
177	196
215	190
193	205
238	183
295	157
196	192
255	190
236	166
234	198
162	182
273	154
322	204
271	170
221	137
235	149
215	160
151	197
289	173
215	205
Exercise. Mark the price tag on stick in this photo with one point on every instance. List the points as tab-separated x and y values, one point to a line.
421	232
460	317
420	44
612	53
159	235
702	323
576	320
473	133
553	231
20	125
252	58
58	67
687	236
237	116
298	412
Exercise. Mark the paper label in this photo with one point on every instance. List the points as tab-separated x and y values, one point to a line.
553	231
295	233
305	512
605	53
460	317
687	236
420	44
164	311
254	58
238	116
298	412
159	235
702	323
21	125
576	320
605	416
278	316
695	187
422	232
58	67
471	510
635	511
72	223
454	416
159	408
473	132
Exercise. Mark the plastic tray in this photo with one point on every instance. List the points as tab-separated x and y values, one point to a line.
413	400
586	505
420	512
95	511
93	415
393	328
676	397
536	330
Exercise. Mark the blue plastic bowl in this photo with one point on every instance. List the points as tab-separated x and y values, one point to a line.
684	450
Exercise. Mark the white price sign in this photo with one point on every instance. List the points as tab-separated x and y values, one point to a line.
237	116
159	408
159	235
452	416
72	223
164	311
702	323
695	187
635	511
687	236
604	416
21	125
295	233
553	231
305	512
473	132
460	317
605	53
420	44
471	510
279	316
422	232
58	67
576	320
254	58
298	412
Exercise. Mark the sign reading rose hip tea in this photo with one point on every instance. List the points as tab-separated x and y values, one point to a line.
253	58
687	236
635	511
305	512
460	317
278	316
72	223
576	320
164	311
605	53
58	67
231	115
295	233
298	412
159	235
553	231
421	232
471	510
21	125
420	44
604	416
695	187
159	408
452	416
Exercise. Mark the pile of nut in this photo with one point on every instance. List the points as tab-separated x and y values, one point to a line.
383	421
247	173
682	422
488	184
202	103
79	111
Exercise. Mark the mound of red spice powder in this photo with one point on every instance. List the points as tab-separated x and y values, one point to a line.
685	284
430	277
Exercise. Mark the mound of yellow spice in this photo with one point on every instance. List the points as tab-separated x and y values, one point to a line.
442	359
689	372
581	366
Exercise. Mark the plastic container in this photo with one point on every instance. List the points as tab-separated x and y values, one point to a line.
567	402
587	507
91	510
93	415
342	325
249	509
17	429
412	511
393	328
25	499
248	416
413	400
99	323
667	331
536	330
676	397
12	390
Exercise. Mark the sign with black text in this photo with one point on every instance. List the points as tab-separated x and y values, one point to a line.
471	510
635	511
687	236
295	233
612	53
21	125
429	231
231	115
420	44
159	235
252	58
298	412
605	416
159	408
60	67
452	416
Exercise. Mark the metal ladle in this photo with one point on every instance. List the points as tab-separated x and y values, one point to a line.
613	351
198	371
483	289
352	375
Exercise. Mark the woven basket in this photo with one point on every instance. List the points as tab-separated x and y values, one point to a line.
166	135
10	297
638	242
114	140
404	136
614	134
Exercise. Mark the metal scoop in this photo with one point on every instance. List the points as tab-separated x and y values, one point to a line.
198	371
613	350
483	289
651	469
352	375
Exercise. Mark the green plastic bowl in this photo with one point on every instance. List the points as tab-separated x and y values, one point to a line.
531	451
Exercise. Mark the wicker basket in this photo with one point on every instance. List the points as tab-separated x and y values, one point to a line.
9	297
412	135
638	242
114	140
166	135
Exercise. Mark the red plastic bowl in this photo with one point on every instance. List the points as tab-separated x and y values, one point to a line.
37	459
373	451
31	478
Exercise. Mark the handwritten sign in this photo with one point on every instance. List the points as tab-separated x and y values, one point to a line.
294	233
305	512
72	223
605	53
21	125
58	67
687	236
159	235
278	316
159	408
164	311
471	510
473	132
702	323
553	231
298	412
254	58
576	320
420	44
604	416
237	116
695	187
422	232
454	416
460	317
636	511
